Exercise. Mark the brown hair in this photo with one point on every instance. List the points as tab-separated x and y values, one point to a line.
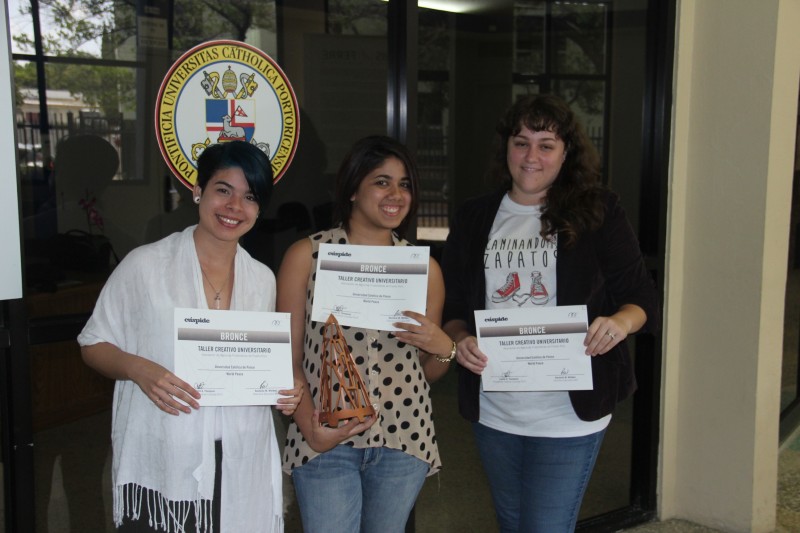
366	155
573	204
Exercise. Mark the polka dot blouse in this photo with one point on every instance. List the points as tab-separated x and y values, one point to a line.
393	377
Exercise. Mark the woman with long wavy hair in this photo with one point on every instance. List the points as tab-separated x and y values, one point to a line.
550	235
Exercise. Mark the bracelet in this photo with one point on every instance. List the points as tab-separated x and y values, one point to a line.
449	357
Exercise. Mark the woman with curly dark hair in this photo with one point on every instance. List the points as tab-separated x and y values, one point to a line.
551	235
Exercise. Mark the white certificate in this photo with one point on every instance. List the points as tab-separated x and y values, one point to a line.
370	286
534	349
234	357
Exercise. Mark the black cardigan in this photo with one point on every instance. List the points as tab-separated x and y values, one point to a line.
603	270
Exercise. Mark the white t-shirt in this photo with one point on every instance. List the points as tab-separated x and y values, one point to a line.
520	271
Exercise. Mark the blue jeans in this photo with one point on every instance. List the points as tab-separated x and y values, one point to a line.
537	483
346	489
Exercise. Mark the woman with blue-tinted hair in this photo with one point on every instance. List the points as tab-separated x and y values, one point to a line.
178	466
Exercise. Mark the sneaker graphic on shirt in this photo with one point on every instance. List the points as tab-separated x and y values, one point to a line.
539	294
521	298
507	291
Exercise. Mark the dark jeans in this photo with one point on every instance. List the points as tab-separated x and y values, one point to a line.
352	490
537	483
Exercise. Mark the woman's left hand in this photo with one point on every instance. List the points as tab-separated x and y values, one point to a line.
426	336
291	398
604	333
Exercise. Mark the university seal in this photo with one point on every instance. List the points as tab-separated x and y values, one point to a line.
222	91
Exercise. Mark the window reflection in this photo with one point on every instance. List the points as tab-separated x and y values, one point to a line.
99	84
98	29
197	21
563	48
433	115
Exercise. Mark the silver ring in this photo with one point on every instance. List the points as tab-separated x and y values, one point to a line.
610	335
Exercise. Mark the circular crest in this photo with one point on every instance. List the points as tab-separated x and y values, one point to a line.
221	91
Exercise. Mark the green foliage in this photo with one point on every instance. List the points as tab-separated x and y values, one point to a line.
356	17
74	24
109	27
197	21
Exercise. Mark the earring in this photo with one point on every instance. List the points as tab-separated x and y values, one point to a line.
197	199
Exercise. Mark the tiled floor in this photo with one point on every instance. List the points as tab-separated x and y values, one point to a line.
788	511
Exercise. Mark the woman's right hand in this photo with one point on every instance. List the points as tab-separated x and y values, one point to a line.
166	390
470	356
324	438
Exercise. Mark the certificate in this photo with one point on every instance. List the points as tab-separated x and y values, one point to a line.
370	286
534	349
234	357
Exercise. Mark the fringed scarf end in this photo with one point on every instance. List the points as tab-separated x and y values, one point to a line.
162	514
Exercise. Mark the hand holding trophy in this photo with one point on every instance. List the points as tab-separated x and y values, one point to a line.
342	392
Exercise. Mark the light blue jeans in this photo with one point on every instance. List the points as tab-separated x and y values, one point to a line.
347	490
537	483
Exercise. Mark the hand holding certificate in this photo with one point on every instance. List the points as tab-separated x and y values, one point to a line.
534	349
370	286
234	357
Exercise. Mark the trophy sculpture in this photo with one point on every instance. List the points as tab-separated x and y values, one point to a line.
343	394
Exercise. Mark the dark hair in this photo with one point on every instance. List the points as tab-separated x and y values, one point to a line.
238	154
366	155
572	204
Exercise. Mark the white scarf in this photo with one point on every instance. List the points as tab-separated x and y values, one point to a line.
171	459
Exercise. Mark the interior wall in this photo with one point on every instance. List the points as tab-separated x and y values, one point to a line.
735	102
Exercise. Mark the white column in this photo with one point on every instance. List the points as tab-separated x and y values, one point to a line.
735	106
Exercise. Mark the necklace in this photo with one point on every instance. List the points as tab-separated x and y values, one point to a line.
217	298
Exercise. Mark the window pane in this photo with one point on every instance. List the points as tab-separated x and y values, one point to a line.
529	36
580	37
20	25
197	21
357	17
587	100
89	28
435	62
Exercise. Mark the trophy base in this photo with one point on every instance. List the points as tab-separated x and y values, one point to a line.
333	419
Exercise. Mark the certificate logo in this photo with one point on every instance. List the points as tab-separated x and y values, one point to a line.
222	91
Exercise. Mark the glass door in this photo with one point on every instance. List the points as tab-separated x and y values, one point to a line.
94	186
598	55
16	451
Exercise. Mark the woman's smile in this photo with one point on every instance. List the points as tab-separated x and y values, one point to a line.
391	210
231	222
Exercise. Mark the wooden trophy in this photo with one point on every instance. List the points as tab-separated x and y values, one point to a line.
342	392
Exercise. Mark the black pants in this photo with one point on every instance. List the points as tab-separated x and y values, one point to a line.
142	525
